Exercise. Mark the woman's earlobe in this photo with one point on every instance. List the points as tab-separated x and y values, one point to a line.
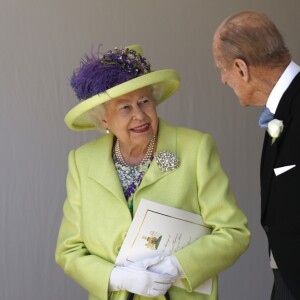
104	123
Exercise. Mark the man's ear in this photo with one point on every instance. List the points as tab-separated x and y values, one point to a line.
242	68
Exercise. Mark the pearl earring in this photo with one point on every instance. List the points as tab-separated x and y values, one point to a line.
107	130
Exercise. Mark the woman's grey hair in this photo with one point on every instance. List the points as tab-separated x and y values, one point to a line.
96	114
252	37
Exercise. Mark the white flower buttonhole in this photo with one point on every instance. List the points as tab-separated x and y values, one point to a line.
275	128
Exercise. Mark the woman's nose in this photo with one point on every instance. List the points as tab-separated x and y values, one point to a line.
137	113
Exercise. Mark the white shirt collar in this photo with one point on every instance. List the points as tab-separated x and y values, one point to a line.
281	86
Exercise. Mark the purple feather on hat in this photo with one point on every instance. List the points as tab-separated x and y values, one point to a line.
96	75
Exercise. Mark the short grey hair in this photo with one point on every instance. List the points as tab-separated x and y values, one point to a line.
96	114
252	37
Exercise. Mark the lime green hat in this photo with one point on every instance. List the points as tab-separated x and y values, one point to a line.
116	73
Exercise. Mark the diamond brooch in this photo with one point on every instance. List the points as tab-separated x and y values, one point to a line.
167	161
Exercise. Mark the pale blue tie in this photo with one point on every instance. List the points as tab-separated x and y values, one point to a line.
265	117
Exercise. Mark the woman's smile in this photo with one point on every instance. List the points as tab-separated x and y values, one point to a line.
132	119
140	129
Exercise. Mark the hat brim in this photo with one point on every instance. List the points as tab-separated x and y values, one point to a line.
168	81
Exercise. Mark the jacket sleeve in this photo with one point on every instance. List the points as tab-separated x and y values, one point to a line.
230	237
90	271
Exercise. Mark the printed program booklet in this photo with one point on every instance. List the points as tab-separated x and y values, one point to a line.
157	228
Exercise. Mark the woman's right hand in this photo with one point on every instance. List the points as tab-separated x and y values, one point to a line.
141	282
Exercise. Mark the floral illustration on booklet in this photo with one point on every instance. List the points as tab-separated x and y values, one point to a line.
153	240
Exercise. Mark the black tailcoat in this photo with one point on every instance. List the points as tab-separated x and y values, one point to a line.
280	195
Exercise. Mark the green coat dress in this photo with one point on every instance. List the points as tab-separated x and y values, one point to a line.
96	217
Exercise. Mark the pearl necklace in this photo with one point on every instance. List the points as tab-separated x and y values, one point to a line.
148	155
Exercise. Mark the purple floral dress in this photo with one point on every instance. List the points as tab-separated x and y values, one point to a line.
130	178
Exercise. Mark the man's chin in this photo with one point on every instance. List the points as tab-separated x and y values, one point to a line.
243	102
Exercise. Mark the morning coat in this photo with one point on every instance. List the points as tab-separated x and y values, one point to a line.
280	196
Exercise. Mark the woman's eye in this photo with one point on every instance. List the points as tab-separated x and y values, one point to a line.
144	101
125	107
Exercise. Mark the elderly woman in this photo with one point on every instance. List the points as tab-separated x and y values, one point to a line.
110	175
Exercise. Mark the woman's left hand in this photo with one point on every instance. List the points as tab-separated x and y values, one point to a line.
159	264
167	265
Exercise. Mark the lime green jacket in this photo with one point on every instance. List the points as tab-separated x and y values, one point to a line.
96	217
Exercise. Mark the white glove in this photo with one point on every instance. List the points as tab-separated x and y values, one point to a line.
159	264
167	265
138	281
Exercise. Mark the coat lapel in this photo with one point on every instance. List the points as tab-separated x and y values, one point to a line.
102	168
267	162
167	141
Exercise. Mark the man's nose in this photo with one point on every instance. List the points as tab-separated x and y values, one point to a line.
223	79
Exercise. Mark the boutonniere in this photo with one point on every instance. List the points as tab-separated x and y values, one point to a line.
167	161
275	128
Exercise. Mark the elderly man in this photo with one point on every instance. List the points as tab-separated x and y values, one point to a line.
254	61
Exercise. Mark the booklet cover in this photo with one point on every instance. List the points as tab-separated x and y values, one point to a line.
158	229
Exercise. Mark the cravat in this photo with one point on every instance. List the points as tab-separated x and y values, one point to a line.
265	117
